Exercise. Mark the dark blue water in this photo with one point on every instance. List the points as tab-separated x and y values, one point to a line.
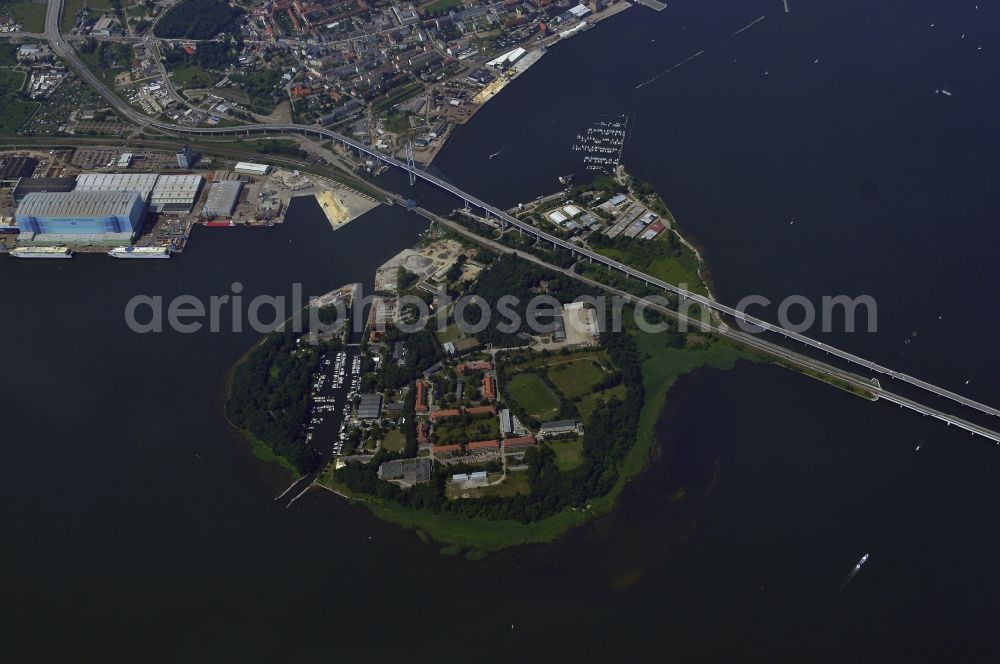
890	185
138	528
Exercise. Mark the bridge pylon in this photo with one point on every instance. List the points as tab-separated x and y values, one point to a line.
411	163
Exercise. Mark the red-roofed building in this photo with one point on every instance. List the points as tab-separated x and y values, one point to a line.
445	414
481	410
446	450
423	439
489	387
483	447
421	405
520	441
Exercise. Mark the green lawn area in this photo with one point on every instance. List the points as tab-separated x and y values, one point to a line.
30	15
397	123
394	441
442	5
569	453
674	269
485	428
13	112
575	378
514	484
8	54
193	76
533	395
450	333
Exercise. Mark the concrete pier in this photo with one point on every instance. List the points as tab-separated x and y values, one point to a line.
653	4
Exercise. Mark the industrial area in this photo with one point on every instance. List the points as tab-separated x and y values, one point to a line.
144	204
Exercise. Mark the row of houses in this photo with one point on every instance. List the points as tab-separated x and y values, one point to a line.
484	448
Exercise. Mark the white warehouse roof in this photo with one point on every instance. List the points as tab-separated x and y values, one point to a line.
557	216
176	189
252	168
512	56
140	182
222	197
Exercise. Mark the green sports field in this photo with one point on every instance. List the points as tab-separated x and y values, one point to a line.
575	378
533	395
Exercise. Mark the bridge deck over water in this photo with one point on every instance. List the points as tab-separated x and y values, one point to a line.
64	50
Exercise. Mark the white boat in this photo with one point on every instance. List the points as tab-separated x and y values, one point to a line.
861	562
139	252
41	252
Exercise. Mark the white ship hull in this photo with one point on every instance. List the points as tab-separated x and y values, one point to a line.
139	252
38	253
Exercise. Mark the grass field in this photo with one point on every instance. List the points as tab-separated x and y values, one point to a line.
569	453
394	441
442	5
450	333
575	378
486	428
397	123
30	15
13	112
533	395
8	54
193	76
514	484
656	258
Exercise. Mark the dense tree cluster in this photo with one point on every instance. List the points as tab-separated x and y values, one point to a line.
211	56
269	397
198	19
510	275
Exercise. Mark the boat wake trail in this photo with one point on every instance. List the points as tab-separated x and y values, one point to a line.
498	152
748	26
692	57
664	73
797	637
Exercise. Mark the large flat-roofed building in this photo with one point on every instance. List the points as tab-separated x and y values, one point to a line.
94	217
14	168
370	407
222	198
26	186
140	182
175	193
250	168
407	471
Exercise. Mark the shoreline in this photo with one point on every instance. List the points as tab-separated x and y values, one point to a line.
478	536
533	56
